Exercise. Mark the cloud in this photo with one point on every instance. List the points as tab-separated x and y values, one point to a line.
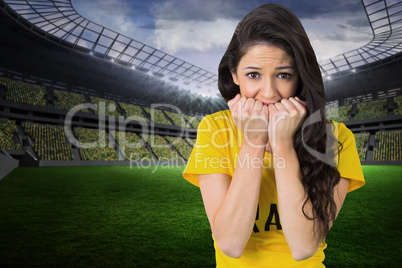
197	25
207	10
348	35
333	43
175	35
124	17
313	9
107	7
199	31
360	22
338	32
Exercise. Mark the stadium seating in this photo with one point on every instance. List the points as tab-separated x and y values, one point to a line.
181	145
161	148
109	107
389	146
193	121
66	100
21	92
398	102
361	139
339	114
371	109
191	141
99	149
133	111
157	116
49	141
177	119
131	147
188	121
7	128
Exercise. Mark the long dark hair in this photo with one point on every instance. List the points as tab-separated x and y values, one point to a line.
276	25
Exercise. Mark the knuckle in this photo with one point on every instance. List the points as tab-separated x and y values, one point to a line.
293	113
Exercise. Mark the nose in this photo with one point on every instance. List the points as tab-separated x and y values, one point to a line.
269	92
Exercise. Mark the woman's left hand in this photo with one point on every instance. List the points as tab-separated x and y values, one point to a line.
285	118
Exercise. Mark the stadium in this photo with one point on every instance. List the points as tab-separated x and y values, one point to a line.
96	129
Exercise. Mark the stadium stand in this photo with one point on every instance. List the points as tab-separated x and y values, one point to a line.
339	114
181	145
133	111
66	100
131	146
105	107
162	149
177	119
188	121
191	142
398	102
27	94
7	130
49	141
21	92
361	139
157	116
389	147
371	109
193	121
98	143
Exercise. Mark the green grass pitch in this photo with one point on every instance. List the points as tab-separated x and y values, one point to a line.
122	217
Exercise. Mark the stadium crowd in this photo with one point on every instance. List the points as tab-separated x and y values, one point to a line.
7	130
49	141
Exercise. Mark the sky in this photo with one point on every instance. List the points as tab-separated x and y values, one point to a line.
198	31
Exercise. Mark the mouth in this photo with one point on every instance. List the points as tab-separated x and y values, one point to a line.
268	103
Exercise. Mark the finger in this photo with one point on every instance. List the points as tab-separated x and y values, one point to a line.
233	101
258	105
299	106
301	101
242	102
280	106
265	110
272	109
249	105
288	104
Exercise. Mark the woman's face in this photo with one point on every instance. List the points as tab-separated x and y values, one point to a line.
266	73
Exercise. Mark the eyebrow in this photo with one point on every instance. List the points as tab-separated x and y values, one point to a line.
277	68
284	67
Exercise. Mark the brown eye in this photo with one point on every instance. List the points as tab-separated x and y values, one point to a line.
284	76
253	75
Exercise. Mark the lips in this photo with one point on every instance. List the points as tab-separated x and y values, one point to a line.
268	103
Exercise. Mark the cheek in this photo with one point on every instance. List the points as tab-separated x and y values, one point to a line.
289	89
247	89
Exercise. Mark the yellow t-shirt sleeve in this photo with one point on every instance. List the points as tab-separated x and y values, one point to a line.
349	165
209	152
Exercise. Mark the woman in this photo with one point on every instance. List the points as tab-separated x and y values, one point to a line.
272	171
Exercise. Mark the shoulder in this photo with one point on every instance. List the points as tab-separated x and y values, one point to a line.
349	165
217	120
218	115
342	132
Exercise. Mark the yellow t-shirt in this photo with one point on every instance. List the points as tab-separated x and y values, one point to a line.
216	151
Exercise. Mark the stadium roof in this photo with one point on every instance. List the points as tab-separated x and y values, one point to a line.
385	18
59	19
60	23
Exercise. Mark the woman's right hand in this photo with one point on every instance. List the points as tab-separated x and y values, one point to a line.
251	117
